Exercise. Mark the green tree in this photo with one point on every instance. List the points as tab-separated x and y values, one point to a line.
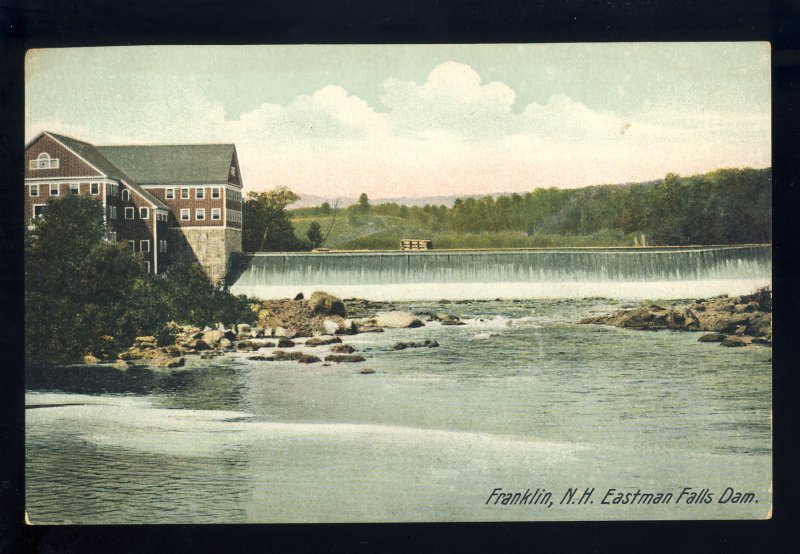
266	225
85	295
314	235
363	204
325	209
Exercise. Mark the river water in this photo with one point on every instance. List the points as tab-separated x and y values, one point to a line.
522	397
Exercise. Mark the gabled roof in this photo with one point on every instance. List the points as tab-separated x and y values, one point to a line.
90	153
173	163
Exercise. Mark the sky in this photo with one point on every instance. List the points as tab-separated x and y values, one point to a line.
421	120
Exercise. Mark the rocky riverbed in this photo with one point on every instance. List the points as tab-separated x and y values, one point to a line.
731	321
321	320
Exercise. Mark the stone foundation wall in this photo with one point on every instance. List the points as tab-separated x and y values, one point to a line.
208	246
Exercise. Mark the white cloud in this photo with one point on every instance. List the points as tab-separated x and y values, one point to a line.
453	134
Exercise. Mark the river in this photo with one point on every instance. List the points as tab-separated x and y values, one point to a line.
522	397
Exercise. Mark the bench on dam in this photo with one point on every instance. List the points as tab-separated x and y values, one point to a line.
416	244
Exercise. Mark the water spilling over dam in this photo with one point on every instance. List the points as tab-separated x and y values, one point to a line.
634	273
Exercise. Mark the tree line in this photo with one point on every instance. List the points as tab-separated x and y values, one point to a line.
725	206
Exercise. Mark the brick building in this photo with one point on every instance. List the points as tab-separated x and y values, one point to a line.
168	202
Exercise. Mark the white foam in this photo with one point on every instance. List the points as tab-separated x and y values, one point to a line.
134	423
624	290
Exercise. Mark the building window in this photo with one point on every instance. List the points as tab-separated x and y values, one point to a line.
74	188
170	194
112	236
54	189
132	244
185	193
215	192
216	214
233	171
95	188
38	210
44	161
112	212
162	246
126	195
200	214
147	266
112	189
144	213
34	190
200	193
185	214
130	213
144	246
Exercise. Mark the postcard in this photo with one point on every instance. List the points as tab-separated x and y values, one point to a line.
398	283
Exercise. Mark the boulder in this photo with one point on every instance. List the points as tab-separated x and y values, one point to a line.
322	342
167	362
243	329
330	327
342	349
712	337
279	332
260	358
90	359
344	358
735	341
280	355
257	332
131	354
169	333
447	319
397	320
324	303
283	342
201	345
212	338
225	344
146	342
426	344
366	371
308	359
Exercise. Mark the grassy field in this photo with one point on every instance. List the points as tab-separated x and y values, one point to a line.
385	233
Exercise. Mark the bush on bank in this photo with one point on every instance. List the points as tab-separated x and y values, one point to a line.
84	294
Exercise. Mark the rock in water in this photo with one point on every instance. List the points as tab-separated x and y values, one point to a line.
712	337
736	341
344	358
308	359
342	349
367	371
427	344
322	342
397	320
324	303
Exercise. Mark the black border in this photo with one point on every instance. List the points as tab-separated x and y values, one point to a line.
54	23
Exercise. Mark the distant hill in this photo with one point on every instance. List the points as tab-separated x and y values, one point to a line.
310	200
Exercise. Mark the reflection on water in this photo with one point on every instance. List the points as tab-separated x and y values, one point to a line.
519	397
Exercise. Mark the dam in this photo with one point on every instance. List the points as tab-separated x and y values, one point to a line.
624	273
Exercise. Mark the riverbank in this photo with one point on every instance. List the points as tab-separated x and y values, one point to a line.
730	321
281	325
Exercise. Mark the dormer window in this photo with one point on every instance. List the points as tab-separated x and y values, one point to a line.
126	195
233	171
44	161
